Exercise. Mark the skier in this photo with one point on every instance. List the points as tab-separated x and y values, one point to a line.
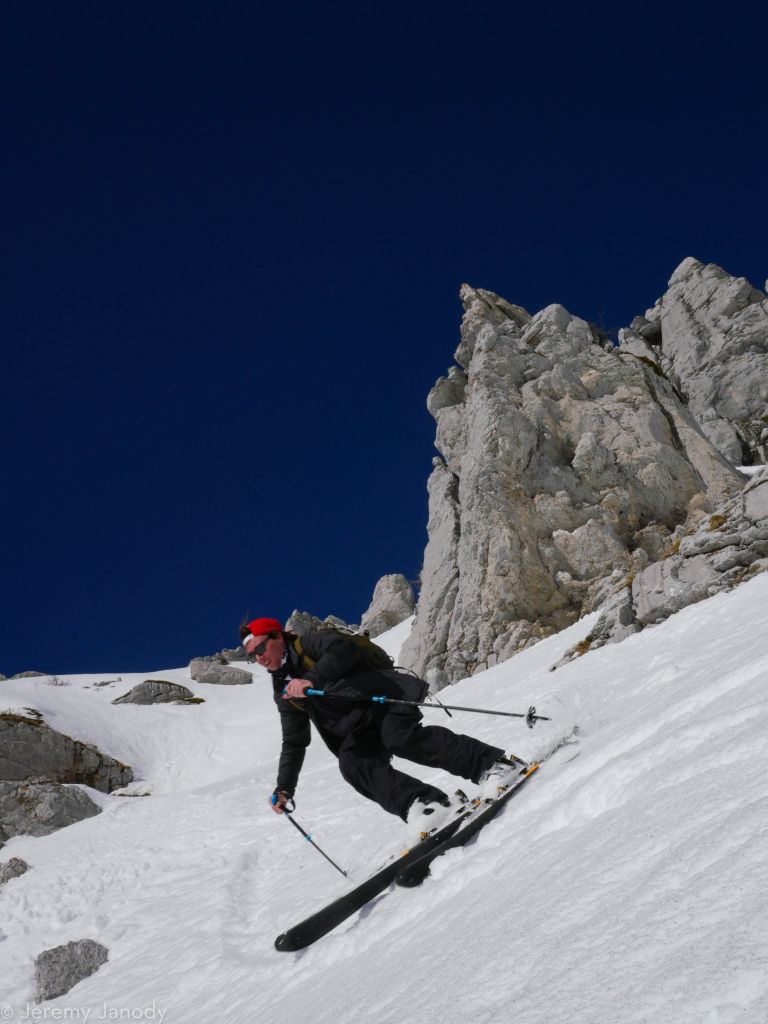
364	738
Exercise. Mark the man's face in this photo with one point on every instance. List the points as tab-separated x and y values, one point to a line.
268	650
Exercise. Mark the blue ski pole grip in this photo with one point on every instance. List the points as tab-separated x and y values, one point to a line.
378	700
315	693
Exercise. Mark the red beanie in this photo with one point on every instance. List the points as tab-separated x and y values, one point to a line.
260	627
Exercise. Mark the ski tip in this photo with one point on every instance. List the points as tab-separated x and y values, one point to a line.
284	944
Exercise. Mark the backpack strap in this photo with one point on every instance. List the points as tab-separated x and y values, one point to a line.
305	658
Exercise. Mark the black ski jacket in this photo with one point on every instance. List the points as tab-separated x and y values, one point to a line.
338	670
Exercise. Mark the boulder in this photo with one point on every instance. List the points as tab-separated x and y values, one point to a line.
30	749
155	691
59	969
29	675
211	670
39	808
393	601
12	869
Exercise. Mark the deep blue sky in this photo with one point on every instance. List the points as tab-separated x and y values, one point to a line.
233	238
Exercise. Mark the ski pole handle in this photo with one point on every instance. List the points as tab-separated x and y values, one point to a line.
285	804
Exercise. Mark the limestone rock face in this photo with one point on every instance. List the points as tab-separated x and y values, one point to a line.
393	601
564	461
709	335
59	969
29	749
724	550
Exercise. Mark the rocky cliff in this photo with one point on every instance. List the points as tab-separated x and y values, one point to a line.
709	335
567	463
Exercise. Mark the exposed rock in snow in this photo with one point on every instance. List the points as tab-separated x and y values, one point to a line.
59	969
155	691
564	461
30	749
212	670
39	808
12	869
392	603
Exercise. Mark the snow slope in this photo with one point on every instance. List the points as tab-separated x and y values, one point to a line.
627	884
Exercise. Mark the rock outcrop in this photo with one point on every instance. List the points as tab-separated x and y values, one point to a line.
215	671
564	461
39	808
725	549
59	969
13	868
232	654
156	691
30	749
709	335
302	623
393	601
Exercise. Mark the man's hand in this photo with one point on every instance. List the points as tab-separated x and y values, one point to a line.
296	688
278	800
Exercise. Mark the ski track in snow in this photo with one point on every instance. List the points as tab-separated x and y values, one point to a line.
626	884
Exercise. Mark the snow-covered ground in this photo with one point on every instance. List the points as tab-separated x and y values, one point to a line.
627	883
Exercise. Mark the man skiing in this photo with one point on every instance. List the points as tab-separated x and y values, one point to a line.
364	736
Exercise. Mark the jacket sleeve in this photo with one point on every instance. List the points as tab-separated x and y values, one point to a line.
296	738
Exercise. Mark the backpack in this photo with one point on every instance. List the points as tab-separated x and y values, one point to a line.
371	655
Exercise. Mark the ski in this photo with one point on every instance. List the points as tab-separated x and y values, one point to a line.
461	829
418	867
329	917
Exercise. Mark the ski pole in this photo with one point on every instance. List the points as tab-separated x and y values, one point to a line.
306	835
530	715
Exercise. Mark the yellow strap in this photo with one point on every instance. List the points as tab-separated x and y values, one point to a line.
308	662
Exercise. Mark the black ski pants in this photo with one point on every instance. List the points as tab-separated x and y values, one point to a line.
365	756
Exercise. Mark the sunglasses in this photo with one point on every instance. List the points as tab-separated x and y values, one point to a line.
259	649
